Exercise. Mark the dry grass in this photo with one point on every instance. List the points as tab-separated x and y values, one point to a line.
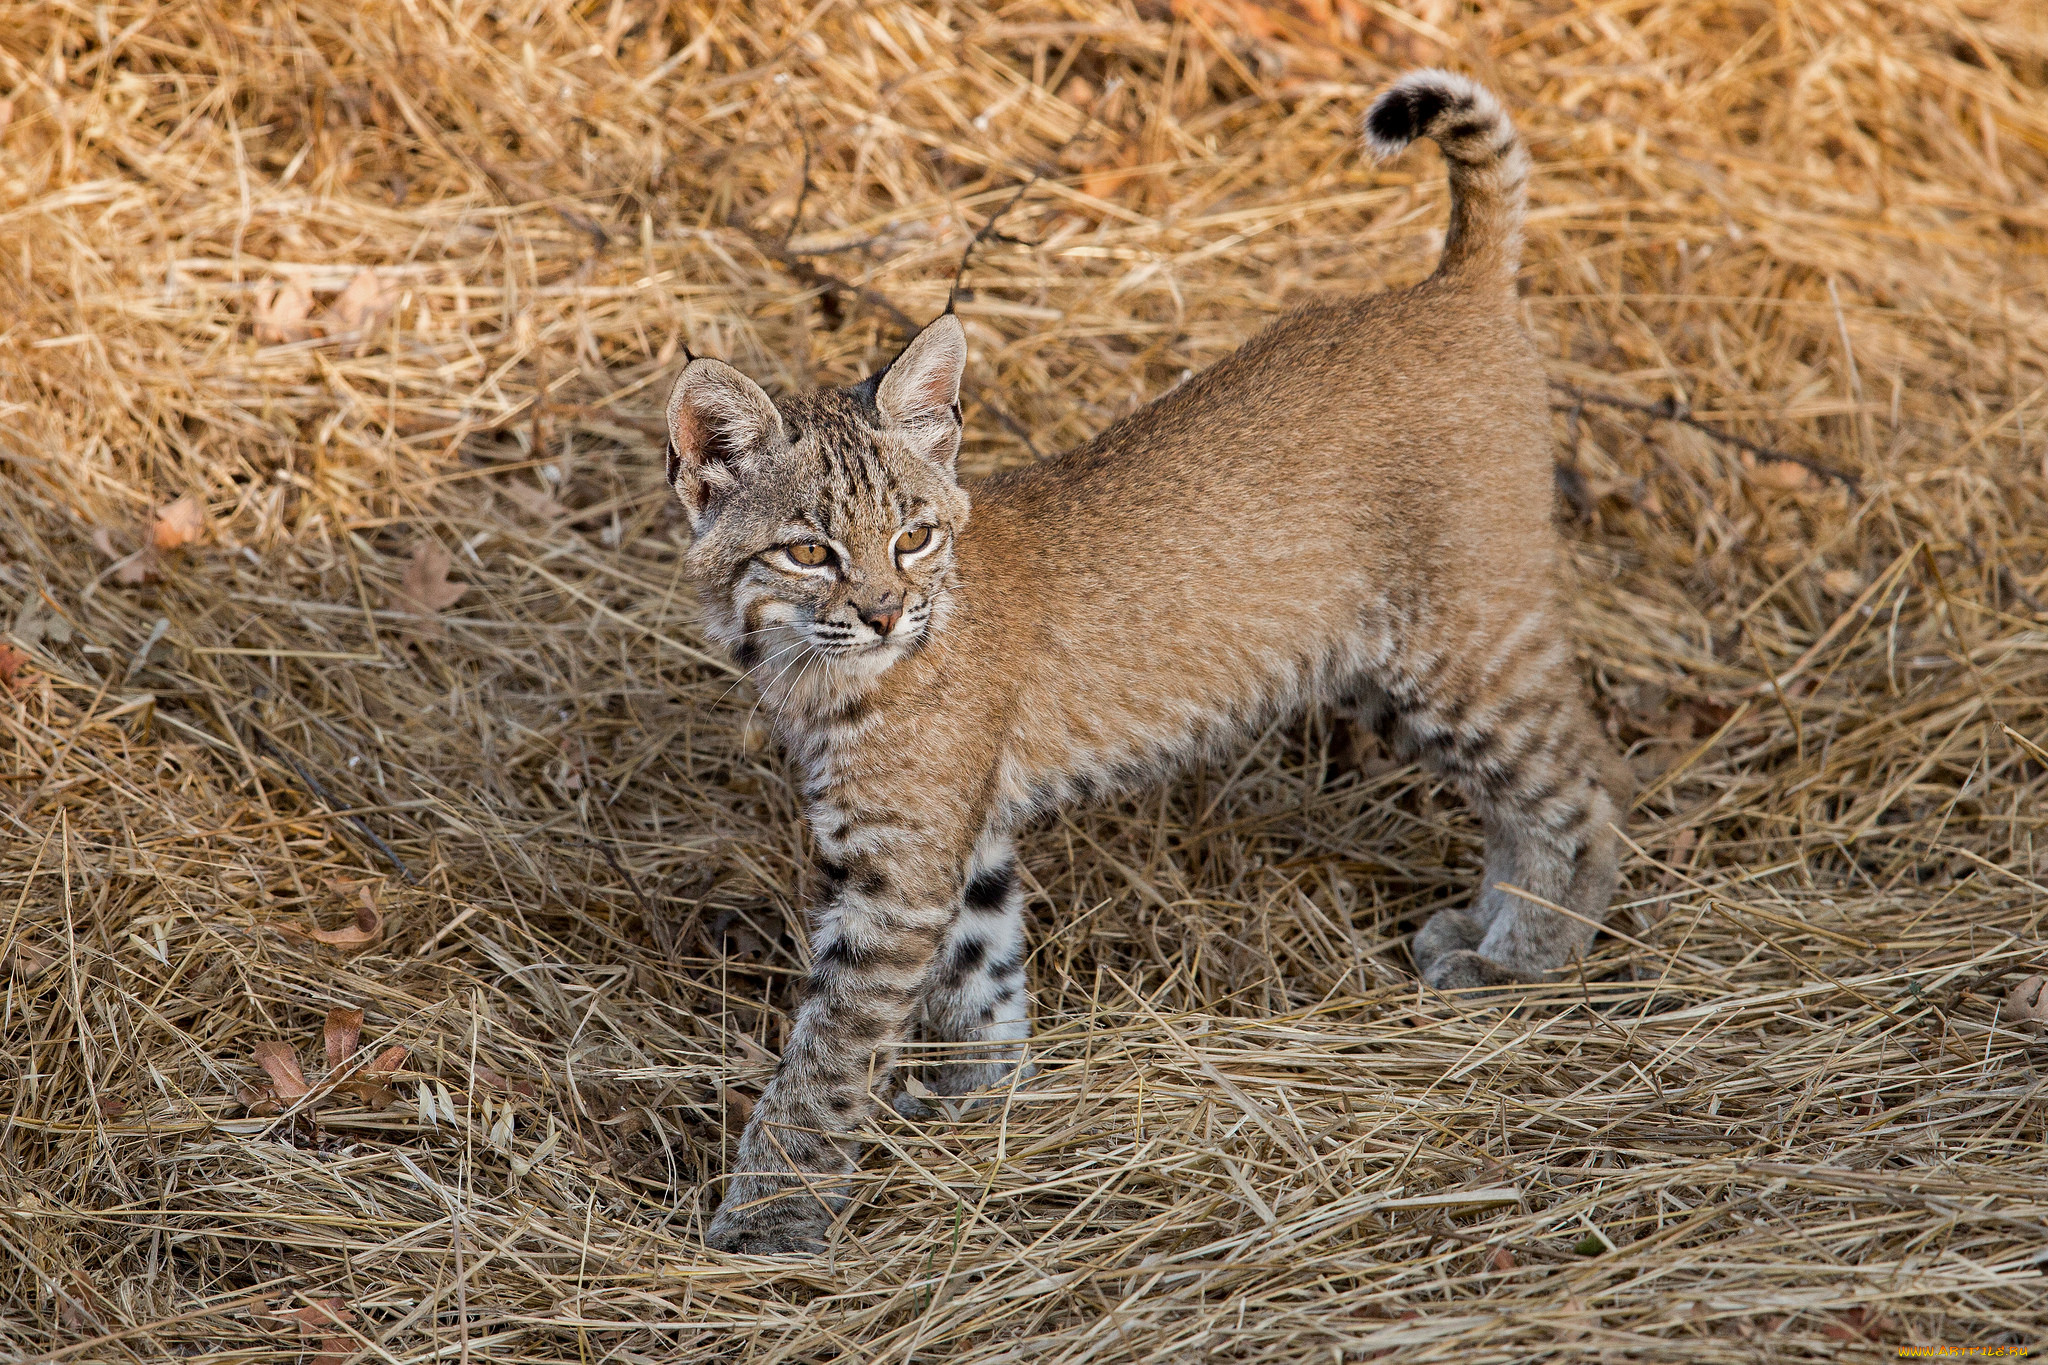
1786	1110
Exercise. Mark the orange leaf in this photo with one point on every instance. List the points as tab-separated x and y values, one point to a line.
261	1104
282	1063
425	590
339	1037
364	303
362	931
2029	1000
1784	475
281	312
11	660
179	523
318	1316
387	1061
496	1082
371	1096
139	567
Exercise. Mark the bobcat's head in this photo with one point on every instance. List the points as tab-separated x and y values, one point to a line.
823	525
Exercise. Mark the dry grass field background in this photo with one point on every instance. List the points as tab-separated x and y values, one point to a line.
348	667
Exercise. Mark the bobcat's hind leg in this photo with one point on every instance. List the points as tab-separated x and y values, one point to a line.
1549	790
975	1007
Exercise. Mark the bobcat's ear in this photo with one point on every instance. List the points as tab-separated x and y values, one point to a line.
919	394
717	418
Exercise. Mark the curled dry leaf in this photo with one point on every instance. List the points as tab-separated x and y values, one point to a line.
323	1316
281	312
494	1081
387	1061
536	502
1783	475
261	1104
366	301
1842	582
282	1062
425	590
364	930
366	1088
343	1029
178	523
140	567
28	963
2028	1000
11	660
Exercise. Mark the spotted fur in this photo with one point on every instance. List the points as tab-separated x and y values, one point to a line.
1351	511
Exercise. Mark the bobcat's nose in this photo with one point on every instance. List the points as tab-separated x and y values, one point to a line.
883	616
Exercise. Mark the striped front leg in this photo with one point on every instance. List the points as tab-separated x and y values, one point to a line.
885	915
975	1006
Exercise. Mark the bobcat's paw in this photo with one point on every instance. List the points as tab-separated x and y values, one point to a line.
1465	969
968	1085
754	1222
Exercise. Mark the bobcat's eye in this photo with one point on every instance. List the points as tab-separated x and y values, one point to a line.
810	554
910	542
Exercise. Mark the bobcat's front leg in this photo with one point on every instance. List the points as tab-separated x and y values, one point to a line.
884	917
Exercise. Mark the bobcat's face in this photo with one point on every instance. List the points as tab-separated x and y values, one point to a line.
824	527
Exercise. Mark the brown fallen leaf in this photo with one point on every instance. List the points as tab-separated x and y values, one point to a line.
339	1036
1502	1259
28	963
535	502
425	590
387	1061
1783	475
281	312
178	523
494	1081
322	1316
1842	582
365	1086
282	1062
2028	1000
1856	1324
261	1104
364	930
139	567
11	660
367	300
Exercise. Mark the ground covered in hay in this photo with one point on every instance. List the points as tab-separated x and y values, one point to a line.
348	668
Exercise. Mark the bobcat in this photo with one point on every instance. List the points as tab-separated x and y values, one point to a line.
1351	510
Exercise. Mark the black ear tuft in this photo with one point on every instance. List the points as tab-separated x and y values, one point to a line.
863	393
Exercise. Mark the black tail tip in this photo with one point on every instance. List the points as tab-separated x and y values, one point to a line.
1403	114
1419	102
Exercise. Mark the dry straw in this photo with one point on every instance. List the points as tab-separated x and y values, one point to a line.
415	719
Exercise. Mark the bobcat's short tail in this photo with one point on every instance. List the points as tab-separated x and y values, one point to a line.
1488	168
